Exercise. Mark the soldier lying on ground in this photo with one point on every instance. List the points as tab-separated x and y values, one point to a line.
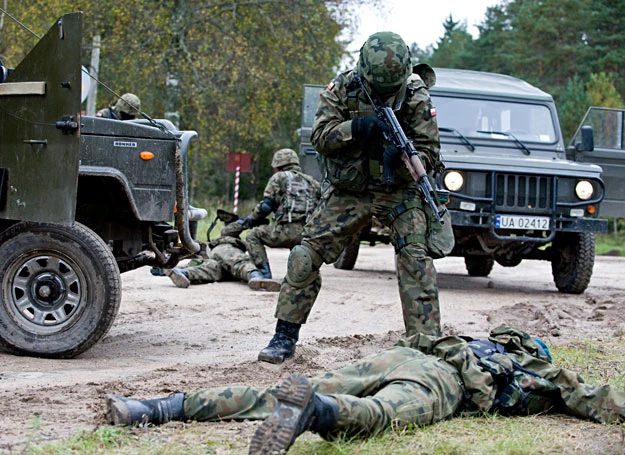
421	380
227	260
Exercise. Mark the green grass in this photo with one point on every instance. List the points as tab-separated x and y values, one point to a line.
598	363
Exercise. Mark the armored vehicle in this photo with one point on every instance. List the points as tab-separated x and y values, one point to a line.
81	200
514	195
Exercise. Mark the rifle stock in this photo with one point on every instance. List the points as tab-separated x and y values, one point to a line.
397	137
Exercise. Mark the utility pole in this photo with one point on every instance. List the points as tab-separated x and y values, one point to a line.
92	98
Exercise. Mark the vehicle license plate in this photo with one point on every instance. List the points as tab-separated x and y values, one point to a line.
538	223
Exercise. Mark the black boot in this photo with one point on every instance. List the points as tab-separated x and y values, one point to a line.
299	409
282	345
265	270
127	411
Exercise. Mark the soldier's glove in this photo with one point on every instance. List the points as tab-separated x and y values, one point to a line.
246	222
368	128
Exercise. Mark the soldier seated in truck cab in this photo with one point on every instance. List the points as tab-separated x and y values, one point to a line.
125	108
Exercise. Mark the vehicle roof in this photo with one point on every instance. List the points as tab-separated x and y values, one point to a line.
487	84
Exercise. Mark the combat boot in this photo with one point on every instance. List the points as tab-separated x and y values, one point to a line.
257	282
127	411
299	409
265	270
180	277
282	345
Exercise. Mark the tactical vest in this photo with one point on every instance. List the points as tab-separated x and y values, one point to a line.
519	390
299	198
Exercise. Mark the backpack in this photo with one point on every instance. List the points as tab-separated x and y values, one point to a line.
519	390
299	199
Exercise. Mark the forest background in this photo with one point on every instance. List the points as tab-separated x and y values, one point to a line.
234	70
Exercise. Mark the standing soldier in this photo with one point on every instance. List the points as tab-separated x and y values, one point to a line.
125	108
351	140
292	195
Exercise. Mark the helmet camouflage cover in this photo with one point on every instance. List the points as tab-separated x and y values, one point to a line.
128	104
283	157
385	62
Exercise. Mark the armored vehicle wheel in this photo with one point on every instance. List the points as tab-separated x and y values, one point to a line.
60	289
347	259
572	261
478	265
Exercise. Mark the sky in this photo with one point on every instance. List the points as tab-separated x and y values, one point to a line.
419	21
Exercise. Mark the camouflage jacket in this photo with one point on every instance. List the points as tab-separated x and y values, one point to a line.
277	188
342	100
601	404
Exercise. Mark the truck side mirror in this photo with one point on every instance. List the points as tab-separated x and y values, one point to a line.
588	140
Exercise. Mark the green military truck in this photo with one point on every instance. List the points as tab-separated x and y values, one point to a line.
81	200
514	195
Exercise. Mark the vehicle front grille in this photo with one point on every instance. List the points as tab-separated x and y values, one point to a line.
523	193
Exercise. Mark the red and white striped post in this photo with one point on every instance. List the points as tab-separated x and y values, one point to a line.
237	176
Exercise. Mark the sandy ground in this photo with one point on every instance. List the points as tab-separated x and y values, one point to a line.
167	339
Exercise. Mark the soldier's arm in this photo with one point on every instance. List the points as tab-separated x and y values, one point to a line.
332	125
271	198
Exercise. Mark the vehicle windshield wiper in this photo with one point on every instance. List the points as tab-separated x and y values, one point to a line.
462	136
511	136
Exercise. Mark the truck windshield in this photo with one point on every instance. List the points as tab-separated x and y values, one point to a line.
527	122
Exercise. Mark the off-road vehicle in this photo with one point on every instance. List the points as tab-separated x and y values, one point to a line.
514	195
81	200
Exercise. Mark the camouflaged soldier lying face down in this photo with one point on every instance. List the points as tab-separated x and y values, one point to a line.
410	383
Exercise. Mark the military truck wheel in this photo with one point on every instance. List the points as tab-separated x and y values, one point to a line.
478	265
572	261
347	259
61	289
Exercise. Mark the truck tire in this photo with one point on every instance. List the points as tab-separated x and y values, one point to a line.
572	261
479	265
347	259
61	289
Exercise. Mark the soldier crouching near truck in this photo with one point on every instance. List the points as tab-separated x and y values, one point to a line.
227	260
292	195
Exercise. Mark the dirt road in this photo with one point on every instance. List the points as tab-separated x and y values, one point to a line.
168	339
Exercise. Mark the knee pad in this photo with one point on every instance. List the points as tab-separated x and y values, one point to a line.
302	266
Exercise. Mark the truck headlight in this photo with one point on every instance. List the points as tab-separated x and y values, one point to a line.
453	180
584	190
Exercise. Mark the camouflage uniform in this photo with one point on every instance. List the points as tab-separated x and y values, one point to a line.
227	261
343	213
289	226
410	383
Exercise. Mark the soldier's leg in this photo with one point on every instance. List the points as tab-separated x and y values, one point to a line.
416	274
336	221
209	271
432	395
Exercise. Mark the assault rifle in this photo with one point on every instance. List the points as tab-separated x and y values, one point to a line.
396	136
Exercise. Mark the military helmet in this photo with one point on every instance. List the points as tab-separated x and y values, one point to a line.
385	62
232	230
283	157
128	105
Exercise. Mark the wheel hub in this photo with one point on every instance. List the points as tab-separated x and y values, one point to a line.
48	289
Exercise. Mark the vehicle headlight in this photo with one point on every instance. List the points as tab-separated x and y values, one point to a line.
584	190
453	180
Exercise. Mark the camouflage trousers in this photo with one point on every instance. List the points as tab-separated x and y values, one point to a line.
338	220
399	386
283	235
226	262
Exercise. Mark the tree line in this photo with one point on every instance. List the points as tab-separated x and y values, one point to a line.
233	70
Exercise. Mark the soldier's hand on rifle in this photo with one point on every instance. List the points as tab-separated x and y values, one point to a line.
368	128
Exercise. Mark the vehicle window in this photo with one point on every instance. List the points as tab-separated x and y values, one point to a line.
607	125
527	122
